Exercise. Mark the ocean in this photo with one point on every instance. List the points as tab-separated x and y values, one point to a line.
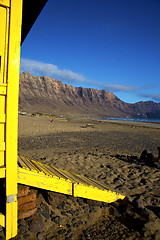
151	120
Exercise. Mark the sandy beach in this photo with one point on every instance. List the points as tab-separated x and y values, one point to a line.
108	152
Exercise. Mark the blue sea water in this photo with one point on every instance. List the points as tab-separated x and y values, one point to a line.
132	119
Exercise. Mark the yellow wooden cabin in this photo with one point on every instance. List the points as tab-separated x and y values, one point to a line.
16	20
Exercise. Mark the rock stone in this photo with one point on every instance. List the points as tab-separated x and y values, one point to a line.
36	224
28	198
74	220
56	219
55	199
27	206
68	225
62	231
22	222
22	228
80	201
26	213
64	213
45	211
23	190
40	236
26	236
72	212
157	236
52	214
69	238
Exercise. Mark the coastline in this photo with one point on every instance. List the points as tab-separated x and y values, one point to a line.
136	123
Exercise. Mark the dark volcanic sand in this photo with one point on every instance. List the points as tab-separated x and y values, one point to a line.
104	151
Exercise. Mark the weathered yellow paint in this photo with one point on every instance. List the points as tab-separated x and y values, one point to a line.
40	175
2	135
93	193
2	119
2	146
3	89
2	41
2	104
5	75
11	219
5	3
2	220
53	183
2	159
3	59
2	172
10	39
2	128
42	181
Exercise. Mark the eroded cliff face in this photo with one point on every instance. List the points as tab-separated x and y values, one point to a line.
47	95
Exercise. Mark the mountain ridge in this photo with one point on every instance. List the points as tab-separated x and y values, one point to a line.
48	95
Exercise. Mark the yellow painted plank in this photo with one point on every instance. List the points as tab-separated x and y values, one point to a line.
3	89
30	165
2	118
55	178
2	172
2	220
43	168
98	184
2	157
5	75
5	3
44	182
2	40
96	194
83	180
73	177
75	184
59	172
38	166
4	18
13	66
2	104
22	163
50	170
11	227
66	187
2	132
2	146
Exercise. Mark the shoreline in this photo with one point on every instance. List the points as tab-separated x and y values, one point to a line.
136	123
144	123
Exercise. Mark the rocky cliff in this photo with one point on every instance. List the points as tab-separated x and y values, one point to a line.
47	95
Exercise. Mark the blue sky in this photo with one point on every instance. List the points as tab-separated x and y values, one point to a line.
103	44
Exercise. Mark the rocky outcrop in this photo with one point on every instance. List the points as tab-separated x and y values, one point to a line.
47	95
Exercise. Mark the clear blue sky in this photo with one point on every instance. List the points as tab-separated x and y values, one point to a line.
104	44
